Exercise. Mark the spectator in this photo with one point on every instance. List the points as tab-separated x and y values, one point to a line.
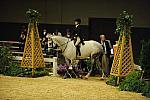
57	33
22	38
107	49
45	41
68	34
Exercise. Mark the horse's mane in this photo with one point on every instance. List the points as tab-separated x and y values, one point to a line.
60	39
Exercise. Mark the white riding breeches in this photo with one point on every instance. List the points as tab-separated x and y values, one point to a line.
77	41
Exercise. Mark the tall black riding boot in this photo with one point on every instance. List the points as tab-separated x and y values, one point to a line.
78	51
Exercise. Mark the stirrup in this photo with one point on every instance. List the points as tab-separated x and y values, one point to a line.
78	57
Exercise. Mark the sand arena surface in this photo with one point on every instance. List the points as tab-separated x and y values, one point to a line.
56	88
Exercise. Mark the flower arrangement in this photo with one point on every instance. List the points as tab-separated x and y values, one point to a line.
72	70
62	69
33	15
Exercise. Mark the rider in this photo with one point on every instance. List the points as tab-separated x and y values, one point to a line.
77	36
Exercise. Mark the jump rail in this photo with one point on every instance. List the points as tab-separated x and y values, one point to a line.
53	60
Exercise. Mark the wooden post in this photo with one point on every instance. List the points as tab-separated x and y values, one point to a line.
33	72
118	80
32	40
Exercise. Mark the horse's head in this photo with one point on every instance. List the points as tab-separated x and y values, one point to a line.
51	39
59	40
55	39
49	35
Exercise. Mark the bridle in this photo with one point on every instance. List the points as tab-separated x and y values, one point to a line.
63	45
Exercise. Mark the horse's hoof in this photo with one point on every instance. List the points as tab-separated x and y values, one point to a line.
80	76
102	78
86	77
64	77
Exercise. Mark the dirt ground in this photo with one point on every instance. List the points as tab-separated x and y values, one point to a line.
56	88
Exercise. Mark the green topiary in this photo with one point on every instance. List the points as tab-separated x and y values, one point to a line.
33	15
133	82
124	22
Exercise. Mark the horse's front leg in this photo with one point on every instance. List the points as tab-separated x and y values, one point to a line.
67	61
67	72
75	69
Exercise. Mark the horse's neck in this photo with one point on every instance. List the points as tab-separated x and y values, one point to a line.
70	51
67	47
63	42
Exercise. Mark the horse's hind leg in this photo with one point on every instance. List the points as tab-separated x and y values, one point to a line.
67	61
92	63
93	59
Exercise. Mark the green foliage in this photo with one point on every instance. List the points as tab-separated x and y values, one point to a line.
144	60
38	72
6	59
133	82
111	80
7	65
88	64
13	69
124	21
33	15
42	73
146	90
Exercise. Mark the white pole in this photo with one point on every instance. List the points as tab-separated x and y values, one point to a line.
55	66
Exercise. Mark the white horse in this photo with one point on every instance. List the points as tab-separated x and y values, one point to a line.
91	49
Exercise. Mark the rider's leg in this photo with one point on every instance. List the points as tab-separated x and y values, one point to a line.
78	50
78	41
77	45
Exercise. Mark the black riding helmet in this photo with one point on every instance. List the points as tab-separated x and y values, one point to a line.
78	20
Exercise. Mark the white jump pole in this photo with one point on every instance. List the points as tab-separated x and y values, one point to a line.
55	66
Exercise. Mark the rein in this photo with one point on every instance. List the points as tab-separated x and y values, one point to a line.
65	46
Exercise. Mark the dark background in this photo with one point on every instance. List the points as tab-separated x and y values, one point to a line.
98	17
65	11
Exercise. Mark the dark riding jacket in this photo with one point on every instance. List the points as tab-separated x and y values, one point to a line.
77	32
